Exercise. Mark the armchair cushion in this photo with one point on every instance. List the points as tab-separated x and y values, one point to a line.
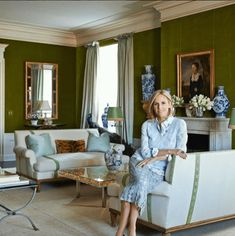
40	144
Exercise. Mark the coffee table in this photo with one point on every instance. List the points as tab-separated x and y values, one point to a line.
97	176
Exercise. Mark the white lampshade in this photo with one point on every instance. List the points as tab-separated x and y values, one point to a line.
44	105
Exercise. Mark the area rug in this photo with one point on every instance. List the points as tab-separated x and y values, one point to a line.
89	197
57	211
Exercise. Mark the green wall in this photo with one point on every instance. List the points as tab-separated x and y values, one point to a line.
147	51
211	29
16	54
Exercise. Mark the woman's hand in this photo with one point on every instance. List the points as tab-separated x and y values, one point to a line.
144	162
181	153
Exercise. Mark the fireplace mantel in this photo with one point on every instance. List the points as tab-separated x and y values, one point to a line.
220	136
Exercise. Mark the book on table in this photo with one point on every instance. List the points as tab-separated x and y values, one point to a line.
15	183
6	176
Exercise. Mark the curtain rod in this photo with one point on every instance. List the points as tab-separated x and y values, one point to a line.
93	43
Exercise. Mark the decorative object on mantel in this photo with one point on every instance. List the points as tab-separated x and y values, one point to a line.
177	102
232	120
221	103
148	83
200	103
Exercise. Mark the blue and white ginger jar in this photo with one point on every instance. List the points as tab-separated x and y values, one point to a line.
148	83
113	158
221	103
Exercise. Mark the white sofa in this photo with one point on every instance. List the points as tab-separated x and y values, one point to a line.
197	191
44	169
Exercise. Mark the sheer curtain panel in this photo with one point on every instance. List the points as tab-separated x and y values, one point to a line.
89	100
126	84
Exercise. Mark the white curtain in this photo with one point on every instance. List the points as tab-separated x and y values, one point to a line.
89	100
126	84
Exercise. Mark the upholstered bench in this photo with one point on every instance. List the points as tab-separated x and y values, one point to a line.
196	191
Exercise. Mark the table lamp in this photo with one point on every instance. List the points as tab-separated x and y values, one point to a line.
232	120
115	114
44	107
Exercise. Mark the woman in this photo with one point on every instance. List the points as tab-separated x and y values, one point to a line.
196	82
161	136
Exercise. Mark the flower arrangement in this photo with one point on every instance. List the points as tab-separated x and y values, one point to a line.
201	101
34	116
177	101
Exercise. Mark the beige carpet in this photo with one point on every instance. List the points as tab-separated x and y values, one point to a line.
56	211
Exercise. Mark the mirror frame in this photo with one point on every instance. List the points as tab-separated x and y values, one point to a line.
54	92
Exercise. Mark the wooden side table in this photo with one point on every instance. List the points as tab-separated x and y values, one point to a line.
42	126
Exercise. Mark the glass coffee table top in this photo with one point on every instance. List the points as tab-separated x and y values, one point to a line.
98	176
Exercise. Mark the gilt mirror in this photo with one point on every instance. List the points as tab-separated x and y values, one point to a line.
41	90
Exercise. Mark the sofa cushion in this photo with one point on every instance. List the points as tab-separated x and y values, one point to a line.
65	146
98	143
68	160
40	144
79	145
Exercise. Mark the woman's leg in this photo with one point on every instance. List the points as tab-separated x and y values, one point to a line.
125	211
132	220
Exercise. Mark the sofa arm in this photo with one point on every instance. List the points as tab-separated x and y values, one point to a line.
24	155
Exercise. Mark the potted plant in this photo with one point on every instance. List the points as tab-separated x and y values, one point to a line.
34	119
200	103
177	102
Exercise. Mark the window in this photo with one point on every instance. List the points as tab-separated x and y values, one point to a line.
107	82
47	85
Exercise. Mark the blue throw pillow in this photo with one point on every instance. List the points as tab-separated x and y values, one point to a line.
40	144
98	143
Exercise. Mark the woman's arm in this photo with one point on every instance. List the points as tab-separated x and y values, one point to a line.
146	151
180	150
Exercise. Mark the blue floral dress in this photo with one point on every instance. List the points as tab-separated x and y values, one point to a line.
170	134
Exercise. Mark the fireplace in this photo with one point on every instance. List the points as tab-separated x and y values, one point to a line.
208	134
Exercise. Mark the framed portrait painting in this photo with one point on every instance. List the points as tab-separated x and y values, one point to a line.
195	74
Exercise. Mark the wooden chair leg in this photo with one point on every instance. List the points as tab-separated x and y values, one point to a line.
39	187
113	217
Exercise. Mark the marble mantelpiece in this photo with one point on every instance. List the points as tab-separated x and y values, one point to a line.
220	136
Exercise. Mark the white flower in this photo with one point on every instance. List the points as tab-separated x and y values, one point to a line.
201	101
177	101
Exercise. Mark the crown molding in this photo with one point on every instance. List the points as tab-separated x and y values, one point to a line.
143	20
37	34
170	10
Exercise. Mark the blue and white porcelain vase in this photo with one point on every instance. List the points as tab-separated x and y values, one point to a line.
148	83
221	103
104	116
113	159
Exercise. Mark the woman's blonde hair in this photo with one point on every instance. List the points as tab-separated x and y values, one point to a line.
166	94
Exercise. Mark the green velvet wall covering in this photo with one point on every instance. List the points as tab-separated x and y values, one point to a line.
16	54
147	51
211	29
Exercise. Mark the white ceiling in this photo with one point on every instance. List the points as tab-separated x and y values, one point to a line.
65	15
74	23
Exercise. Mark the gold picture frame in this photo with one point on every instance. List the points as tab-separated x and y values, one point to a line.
204	61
